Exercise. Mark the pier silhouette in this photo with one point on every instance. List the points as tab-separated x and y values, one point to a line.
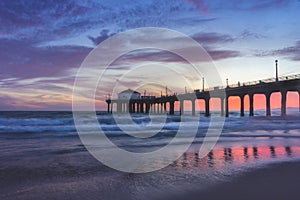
158	105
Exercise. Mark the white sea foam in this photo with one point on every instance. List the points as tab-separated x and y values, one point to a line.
234	126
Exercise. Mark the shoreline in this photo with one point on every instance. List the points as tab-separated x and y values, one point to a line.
273	181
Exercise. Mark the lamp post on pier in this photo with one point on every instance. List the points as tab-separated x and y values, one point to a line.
276	65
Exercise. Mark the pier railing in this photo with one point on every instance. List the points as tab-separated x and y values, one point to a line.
269	80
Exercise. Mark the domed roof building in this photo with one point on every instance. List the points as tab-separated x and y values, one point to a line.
129	94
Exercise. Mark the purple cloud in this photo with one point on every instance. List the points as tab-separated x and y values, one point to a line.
104	34
292	52
43	20
165	56
208	39
12	103
21	59
246	34
206	6
258	5
50	20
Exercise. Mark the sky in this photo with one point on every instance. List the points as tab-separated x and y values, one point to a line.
43	44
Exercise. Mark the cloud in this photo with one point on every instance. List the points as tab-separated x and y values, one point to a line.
38	102
21	59
191	20
43	19
204	38
292	52
199	5
7	102
246	34
209	40
237	5
223	54
212	38
104	34
258	5
165	56
50	20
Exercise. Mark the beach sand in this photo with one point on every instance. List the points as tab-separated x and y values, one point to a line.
274	181
61	168
43	158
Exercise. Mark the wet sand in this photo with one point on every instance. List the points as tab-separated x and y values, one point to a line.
61	168
275	181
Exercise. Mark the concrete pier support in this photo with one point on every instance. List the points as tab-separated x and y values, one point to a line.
119	107
141	108
165	107
226	107
299	99
242	106
171	107
130	107
147	107
251	108
222	106
193	107
268	104
181	107
111	107
283	103
207	111
108	107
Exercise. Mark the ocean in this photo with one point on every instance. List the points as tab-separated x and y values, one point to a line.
42	156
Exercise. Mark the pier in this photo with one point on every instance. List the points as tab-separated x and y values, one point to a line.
267	87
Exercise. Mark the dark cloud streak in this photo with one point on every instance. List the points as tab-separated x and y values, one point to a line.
292	52
104	34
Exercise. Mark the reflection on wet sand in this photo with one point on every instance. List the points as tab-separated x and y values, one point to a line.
246	156
255	152
288	151
273	153
219	157
228	155
210	159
